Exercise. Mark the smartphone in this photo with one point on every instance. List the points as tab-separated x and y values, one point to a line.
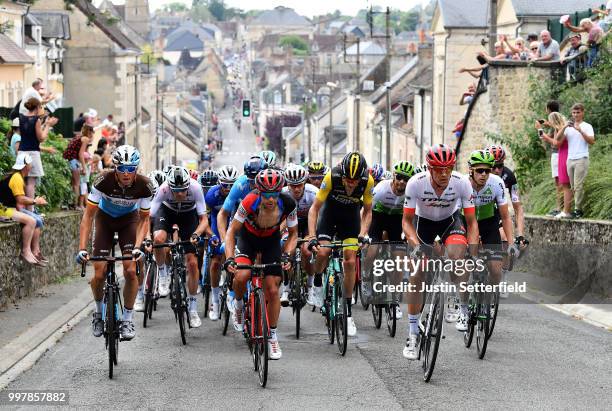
540	132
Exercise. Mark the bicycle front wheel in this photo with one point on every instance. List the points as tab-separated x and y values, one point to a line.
392	319
432	335
112	330
341	318
377	315
179	306
261	337
482	325
149	293
494	310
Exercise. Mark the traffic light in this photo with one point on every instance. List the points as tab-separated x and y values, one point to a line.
246	108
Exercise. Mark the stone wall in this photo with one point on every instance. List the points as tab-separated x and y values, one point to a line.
501	108
59	243
578	253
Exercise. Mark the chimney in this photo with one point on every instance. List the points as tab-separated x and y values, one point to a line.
421	36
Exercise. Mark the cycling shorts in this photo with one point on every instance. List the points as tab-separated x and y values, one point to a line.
187	223
451	230
391	223
344	223
490	236
302	227
248	245
105	227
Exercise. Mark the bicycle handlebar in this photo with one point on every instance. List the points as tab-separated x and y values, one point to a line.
108	258
258	266
171	244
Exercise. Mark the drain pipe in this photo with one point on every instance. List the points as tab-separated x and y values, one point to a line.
450	32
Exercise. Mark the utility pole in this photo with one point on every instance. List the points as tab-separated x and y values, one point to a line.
174	157
158	130
357	91
331	112
492	27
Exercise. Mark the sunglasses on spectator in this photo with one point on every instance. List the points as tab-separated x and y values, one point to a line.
499	165
482	170
268	196
534	48
400	177
126	169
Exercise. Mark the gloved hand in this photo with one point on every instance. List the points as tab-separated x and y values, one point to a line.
214	241
194	238
313	243
137	254
82	257
513	250
417	253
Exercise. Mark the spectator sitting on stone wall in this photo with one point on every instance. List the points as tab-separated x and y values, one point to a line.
533	50
519	50
12	205
605	21
474	71
595	33
548	49
500	53
468	96
576	47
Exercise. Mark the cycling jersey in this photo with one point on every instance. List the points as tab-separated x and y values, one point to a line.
421	197
117	201
386	201
333	190
193	201
489	196
248	212
511	184
304	203
239	190
214	202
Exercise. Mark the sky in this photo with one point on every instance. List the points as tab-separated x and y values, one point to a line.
307	8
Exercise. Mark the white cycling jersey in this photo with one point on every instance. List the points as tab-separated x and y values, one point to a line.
304	203
421	196
490	195
193	201
386	201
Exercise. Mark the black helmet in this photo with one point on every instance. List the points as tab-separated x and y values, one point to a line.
354	165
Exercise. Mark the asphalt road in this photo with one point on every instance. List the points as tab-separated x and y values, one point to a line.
537	359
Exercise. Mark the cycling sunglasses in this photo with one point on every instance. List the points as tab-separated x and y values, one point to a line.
226	186
126	169
402	178
482	170
179	190
316	177
268	196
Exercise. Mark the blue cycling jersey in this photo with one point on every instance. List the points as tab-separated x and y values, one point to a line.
214	201
239	190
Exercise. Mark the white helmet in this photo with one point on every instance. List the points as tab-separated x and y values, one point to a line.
387	175
166	169
269	157
228	174
296	174
157	177
126	155
178	178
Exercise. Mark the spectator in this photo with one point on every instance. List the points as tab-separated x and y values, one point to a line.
121	133
474	71
89	117
37	91
500	53
78	123
34	130
104	152
595	34
574	50
534	46
548	49
531	37
519	50
13	201
606	16
579	135
468	96
106	128
552	106
14	138
564	192
75	154
84	179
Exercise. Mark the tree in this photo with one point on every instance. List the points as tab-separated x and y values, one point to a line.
298	44
200	13
175	7
217	9
409	20
147	56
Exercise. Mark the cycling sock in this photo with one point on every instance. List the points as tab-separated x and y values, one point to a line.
232	294
141	290
348	305
273	333
162	270
127	314
310	280
413	324
215	293
239	304
98	306
464	309
318	280
193	302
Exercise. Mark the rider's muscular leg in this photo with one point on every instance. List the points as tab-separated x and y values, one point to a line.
97	282
160	237
239	284
130	288
348	266
215	270
415	297
271	284
192	274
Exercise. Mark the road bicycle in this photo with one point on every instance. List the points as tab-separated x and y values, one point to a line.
225	286
205	275
151	282
297	286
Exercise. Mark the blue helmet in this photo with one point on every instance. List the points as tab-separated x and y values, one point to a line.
377	171
253	166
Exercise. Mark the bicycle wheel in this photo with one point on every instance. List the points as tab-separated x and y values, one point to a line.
149	293
261	338
112	328
494	310
482	325
340	318
206	285
356	291
329	316
392	319
377	315
432	335
179	306
224	313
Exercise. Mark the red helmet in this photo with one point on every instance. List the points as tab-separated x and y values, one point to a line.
441	155
498	152
269	181
193	174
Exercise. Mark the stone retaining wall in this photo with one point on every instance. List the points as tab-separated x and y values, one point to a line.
59	243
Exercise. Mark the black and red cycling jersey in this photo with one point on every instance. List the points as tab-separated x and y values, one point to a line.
249	209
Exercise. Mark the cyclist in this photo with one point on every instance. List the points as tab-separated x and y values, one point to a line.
316	172
214	201
258	222
511	184
432	208
208	179
180	201
377	172
119	202
388	206
193	174
269	157
336	211
304	194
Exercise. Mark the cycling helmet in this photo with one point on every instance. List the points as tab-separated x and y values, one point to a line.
269	181
417	169
424	167
166	169
193	174
269	157
157	177
377	171
126	156
404	168
208	178
498	152
295	174
481	157
253	166
387	175
316	167
441	155
228	174
354	165
178	178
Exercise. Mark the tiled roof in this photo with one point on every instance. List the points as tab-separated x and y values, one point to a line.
100	21
463	13
280	16
55	24
11	53
551	7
